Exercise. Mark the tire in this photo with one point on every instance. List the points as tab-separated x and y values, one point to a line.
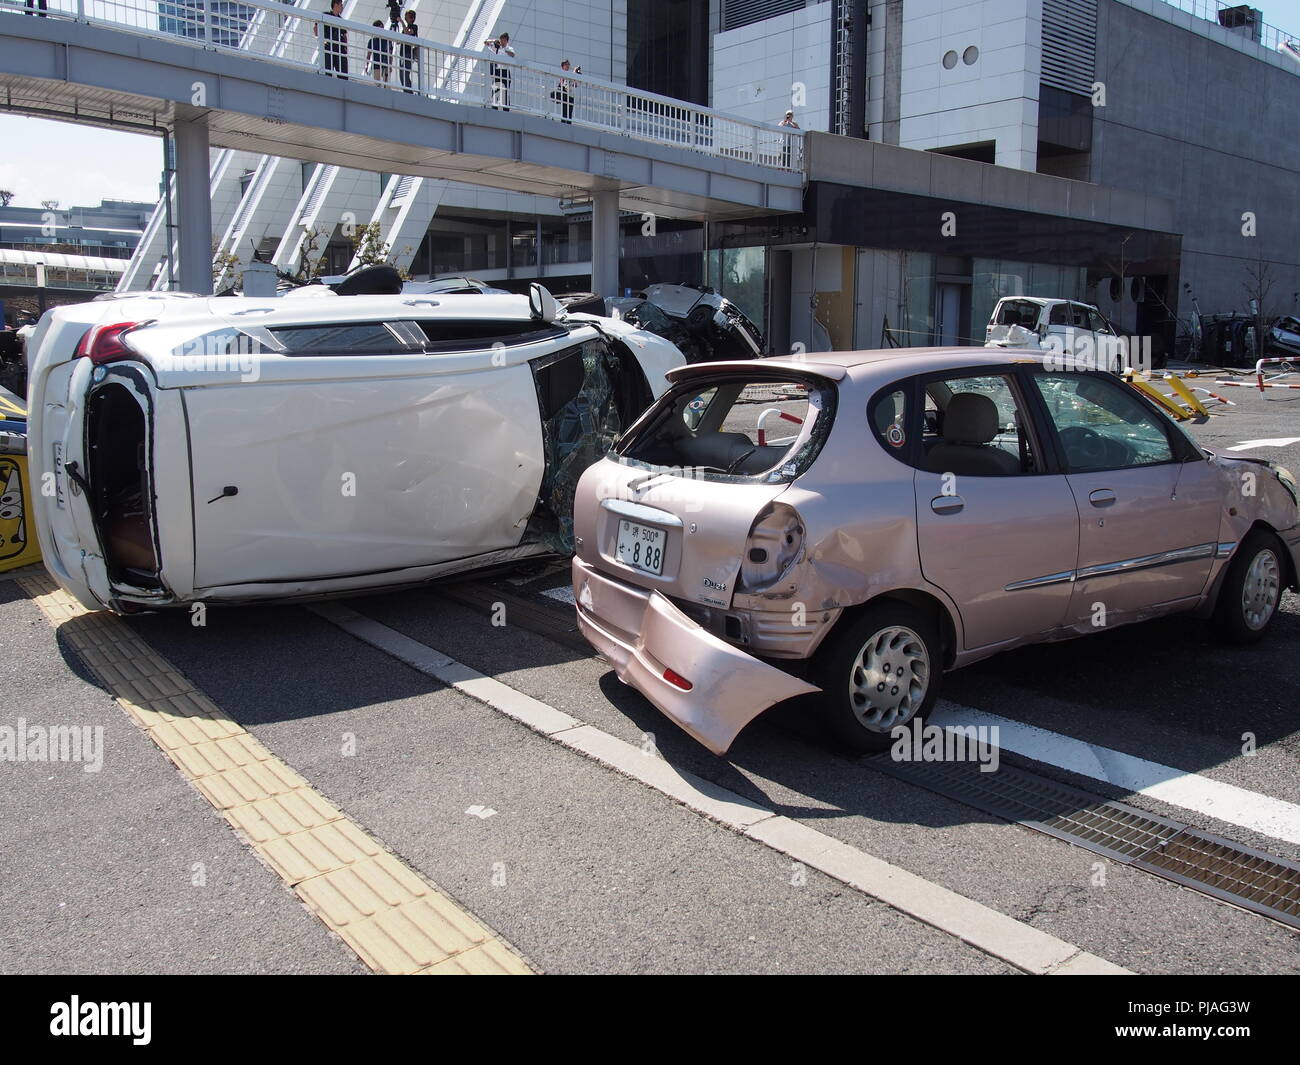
1251	590
857	716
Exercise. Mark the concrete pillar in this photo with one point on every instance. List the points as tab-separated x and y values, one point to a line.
194	207
604	243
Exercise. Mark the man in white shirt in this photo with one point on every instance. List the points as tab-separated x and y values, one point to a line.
500	71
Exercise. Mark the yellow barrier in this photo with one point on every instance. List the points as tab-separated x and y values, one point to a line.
1146	383
18	543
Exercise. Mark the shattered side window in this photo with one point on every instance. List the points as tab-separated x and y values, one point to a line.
587	396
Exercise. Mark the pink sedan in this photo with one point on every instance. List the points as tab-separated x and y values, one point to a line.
857	523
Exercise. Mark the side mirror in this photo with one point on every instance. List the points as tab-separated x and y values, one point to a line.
541	304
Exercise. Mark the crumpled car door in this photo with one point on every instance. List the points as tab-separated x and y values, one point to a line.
587	396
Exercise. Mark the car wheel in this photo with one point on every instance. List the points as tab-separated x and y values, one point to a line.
1251	590
881	672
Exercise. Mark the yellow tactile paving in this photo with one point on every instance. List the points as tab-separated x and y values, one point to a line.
393	918
493	958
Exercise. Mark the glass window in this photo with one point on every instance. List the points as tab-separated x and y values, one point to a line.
1059	315
976	429
1018	312
696	408
345	338
738	426
1101	424
888	418
1098	324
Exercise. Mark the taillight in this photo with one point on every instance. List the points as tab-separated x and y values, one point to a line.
107	343
774	543
677	680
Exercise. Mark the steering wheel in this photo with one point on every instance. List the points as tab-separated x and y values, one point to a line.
1084	446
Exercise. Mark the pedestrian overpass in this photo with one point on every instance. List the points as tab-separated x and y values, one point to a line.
252	75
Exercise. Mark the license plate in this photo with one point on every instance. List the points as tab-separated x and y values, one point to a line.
58	476
641	546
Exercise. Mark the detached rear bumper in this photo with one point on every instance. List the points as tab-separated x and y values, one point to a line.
642	635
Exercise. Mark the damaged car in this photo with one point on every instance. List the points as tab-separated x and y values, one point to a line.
849	526
703	325
232	449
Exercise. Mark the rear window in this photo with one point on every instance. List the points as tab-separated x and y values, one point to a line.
735	427
1018	312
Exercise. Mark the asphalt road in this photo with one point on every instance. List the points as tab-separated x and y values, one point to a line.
586	870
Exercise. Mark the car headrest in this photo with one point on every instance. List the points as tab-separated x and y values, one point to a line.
971	418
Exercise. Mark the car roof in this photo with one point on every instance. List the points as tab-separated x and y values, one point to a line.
1045	301
870	364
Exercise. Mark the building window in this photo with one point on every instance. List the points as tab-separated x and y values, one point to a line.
668	48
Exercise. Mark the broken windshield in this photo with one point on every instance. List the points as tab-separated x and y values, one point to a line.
736	427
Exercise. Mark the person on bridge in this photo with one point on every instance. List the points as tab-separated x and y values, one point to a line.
395	14
563	94
788	123
336	42
500	71
379	56
410	53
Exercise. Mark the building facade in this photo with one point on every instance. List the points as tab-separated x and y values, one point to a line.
51	254
1124	152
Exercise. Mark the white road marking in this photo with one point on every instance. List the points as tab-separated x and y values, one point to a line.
563	594
1226	802
483	812
1277	441
1015	942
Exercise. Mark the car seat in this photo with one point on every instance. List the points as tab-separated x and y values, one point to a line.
970	422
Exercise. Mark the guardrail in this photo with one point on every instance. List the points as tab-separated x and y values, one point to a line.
1271	37
287	34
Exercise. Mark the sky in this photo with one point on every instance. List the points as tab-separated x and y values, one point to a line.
76	165
81	165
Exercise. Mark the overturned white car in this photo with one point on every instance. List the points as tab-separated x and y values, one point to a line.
236	449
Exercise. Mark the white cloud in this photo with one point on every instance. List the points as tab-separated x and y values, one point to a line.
76	165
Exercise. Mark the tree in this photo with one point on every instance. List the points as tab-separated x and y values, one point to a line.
224	264
6	197
50	205
371	248
310	260
1257	286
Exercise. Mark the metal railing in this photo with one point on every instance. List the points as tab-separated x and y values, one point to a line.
1271	37
286	35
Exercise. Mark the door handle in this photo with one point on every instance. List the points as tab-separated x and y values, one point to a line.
947	504
1101	497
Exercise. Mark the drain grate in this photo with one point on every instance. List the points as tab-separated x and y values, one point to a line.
1260	882
1255	881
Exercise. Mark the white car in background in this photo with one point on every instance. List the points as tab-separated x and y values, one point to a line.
1064	325
239	449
